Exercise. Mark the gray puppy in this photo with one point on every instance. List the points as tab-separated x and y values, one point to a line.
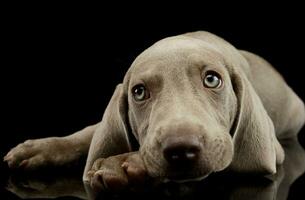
195	105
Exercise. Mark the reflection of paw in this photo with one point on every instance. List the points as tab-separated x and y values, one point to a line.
46	185
117	172
33	154
25	189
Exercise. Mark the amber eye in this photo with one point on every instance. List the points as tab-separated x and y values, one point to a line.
212	80
140	93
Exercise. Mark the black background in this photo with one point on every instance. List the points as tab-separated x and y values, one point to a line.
61	63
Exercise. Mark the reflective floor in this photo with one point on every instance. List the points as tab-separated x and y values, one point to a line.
288	183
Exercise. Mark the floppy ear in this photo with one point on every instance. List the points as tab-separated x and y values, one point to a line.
112	135
256	148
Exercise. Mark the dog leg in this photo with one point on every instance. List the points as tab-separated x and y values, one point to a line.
52	151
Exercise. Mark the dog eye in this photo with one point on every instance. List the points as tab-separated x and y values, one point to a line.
212	80
140	93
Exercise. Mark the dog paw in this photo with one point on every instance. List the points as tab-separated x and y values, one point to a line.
117	173
33	154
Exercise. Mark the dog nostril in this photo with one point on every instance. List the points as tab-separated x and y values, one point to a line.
173	156
181	152
190	155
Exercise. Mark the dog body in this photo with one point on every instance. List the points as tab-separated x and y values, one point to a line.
195	105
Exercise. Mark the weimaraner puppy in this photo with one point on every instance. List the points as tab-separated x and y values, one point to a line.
189	106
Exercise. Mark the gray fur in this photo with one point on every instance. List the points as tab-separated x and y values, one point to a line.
237	126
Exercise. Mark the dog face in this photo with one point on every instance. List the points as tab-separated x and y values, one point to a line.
188	102
181	108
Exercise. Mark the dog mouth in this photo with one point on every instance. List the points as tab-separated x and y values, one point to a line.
185	178
186	172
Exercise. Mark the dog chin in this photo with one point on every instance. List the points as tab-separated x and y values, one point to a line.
183	180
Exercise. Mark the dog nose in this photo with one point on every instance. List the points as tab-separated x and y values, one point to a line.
181	150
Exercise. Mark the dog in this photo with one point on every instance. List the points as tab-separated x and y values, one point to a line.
189	105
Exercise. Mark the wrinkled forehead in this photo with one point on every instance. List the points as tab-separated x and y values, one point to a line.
173	52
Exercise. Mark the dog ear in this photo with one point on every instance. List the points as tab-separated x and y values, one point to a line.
256	148
112	135
114	128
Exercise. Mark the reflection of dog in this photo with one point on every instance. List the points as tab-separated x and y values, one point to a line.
195	105
55	185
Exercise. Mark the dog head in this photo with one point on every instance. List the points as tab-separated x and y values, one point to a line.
189	104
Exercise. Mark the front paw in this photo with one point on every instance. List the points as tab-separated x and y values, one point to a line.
117	173
35	154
